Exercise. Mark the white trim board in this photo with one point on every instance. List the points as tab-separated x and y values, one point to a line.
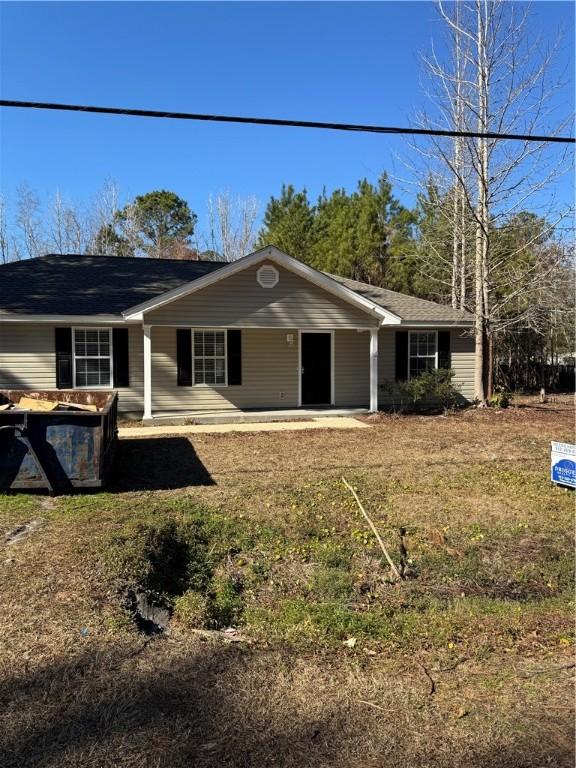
269	253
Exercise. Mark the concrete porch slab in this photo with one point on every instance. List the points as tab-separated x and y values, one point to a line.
237	416
326	422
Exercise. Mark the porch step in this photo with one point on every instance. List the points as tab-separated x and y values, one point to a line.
251	417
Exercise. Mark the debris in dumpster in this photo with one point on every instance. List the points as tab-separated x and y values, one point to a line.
35	404
31	404
77	407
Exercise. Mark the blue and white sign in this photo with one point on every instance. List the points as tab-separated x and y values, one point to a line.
563	464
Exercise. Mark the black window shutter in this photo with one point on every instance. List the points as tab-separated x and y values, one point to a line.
234	358
120	364
401	355
444	357
63	345
184	356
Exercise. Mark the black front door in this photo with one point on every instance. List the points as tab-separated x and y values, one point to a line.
316	368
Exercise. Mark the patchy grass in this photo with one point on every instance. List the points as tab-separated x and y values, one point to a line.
257	531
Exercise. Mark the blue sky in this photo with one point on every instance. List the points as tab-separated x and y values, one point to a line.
350	62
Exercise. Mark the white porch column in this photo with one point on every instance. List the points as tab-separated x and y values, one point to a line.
373	369
147	372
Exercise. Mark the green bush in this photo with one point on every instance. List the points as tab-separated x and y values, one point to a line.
500	399
434	386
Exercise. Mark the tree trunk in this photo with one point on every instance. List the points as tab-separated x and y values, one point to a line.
481	292
462	250
488	363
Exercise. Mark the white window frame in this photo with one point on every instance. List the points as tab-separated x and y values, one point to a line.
423	330
110	357
211	330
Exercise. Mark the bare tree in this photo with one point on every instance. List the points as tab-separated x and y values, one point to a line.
104	209
497	78
29	222
5	251
231	224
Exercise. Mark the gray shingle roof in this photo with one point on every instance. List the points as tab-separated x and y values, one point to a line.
91	285
108	285
409	308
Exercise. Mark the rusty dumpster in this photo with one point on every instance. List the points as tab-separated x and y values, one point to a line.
58	450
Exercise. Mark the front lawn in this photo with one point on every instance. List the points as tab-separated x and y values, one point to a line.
465	662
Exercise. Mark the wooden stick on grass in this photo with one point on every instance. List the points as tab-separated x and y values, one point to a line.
374	531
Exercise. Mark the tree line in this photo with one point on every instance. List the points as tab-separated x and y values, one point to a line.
157	224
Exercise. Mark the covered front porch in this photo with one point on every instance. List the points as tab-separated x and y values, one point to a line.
218	375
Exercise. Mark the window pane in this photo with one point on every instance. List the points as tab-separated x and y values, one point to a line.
209	345
220	347
209	376
220	371
104	365
92	371
198	371
198	343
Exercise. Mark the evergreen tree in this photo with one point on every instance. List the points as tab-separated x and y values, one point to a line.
289	224
158	224
358	235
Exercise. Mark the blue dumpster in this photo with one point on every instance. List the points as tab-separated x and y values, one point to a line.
60	450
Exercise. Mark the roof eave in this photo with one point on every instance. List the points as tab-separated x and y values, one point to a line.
463	323
15	317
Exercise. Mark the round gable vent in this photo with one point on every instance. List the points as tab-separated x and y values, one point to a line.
267	276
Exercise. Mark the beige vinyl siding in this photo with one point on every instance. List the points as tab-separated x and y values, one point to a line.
463	362
239	301
352	369
28	361
131	399
269	368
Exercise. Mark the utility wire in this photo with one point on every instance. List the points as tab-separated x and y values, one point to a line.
282	122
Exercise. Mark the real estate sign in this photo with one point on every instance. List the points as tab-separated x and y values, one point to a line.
563	464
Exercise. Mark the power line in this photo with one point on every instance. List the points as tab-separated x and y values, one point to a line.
281	122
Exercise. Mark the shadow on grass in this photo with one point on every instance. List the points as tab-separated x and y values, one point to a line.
195	709
155	464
